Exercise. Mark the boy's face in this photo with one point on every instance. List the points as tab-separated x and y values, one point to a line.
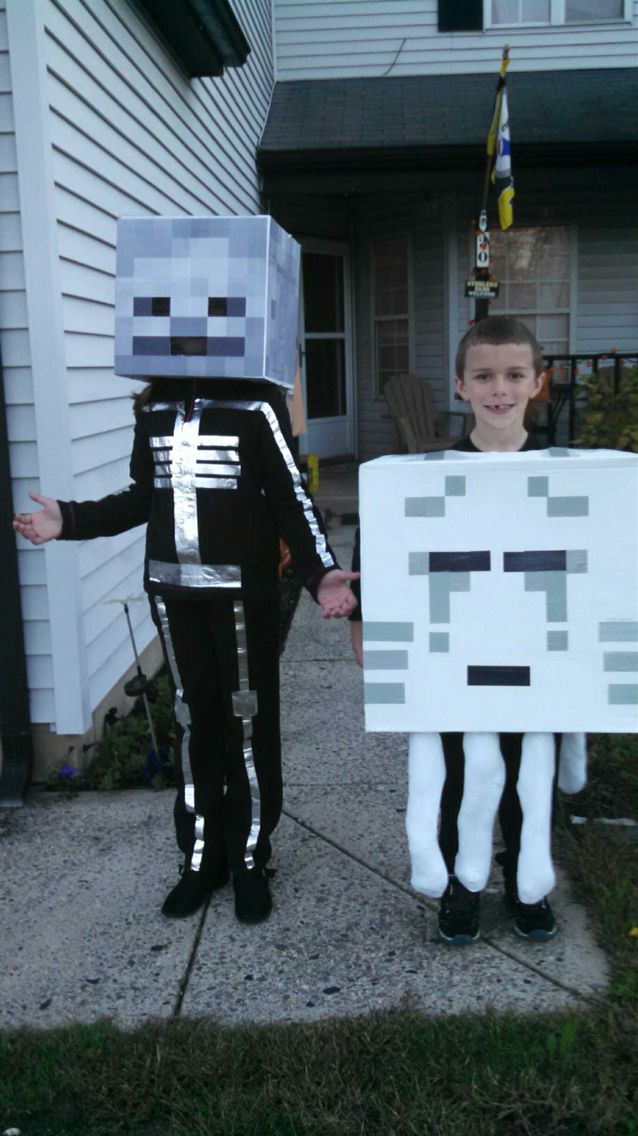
498	382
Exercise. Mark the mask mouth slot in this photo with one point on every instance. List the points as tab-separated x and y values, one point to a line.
498	676
188	344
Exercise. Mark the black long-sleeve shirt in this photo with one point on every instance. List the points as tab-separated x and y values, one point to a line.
213	476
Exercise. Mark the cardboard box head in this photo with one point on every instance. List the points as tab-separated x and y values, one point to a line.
206	297
500	591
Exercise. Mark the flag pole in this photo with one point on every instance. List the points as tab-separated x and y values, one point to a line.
482	237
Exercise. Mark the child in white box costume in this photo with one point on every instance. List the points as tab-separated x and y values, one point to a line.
486	522
206	308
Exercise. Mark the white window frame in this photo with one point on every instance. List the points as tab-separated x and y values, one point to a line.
557	18
570	309
377	392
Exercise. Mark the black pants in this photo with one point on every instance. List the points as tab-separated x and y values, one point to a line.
510	814
223	656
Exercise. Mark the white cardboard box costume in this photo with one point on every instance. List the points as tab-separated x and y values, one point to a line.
500	594
199	297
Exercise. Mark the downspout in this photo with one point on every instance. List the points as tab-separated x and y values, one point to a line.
16	753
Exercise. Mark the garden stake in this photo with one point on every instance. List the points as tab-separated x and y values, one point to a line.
139	684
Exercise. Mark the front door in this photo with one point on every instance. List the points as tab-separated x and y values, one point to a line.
326	350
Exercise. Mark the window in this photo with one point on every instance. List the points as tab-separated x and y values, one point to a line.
533	269
324	334
460	15
391	309
512	12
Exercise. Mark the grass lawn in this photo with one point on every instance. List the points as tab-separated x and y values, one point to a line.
396	1074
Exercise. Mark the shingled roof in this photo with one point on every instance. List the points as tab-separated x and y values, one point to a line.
572	115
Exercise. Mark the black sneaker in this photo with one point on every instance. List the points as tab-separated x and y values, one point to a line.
192	891
459	914
531	920
253	902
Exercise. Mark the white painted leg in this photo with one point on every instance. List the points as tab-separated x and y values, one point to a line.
482	790
535	876
426	776
572	763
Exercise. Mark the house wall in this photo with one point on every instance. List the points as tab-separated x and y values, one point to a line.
595	204
18	378
334	39
121	131
599	207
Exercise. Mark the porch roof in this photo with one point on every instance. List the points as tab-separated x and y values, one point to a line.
557	117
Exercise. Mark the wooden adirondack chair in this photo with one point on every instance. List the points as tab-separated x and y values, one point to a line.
412	407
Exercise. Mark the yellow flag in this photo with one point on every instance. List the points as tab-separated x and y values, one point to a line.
498	146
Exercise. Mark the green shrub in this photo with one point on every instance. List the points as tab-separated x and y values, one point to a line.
611	417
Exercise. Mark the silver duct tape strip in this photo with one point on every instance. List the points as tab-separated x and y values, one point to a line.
224	440
152	406
161	442
244	699
216	483
300	493
198	847
245	703
182	712
162	483
212	403
204	455
242	645
162	468
217	469
183	465
194	575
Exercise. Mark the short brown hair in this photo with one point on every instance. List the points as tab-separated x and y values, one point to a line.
497	330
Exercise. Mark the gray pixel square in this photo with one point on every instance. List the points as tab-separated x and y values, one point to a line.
454	486
425	506
538	486
248	263
439	641
557	641
418	563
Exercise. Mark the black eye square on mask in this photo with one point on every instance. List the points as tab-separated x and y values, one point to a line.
541	560
226	306
151	306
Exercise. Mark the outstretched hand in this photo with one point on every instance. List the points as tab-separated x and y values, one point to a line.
44	525
334	593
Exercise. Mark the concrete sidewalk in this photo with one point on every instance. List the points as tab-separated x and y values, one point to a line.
83	880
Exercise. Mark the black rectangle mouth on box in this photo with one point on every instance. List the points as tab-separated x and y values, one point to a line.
498	676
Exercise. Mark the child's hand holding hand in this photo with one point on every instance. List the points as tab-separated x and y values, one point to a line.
334	593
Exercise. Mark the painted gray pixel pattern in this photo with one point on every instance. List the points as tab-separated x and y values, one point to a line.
620	661
441	585
206	297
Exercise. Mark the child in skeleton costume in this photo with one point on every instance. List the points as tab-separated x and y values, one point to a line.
209	305
458	782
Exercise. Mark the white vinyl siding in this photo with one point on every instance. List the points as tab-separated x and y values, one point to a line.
128	134
18	386
335	39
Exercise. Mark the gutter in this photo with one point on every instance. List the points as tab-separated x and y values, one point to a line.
15	723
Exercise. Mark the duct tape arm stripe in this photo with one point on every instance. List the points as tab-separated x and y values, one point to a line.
298	520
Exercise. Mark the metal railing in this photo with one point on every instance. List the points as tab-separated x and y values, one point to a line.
568	386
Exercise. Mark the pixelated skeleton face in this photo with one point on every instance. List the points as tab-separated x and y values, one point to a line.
211	297
505	588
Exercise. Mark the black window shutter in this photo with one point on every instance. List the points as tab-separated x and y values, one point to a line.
460	15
